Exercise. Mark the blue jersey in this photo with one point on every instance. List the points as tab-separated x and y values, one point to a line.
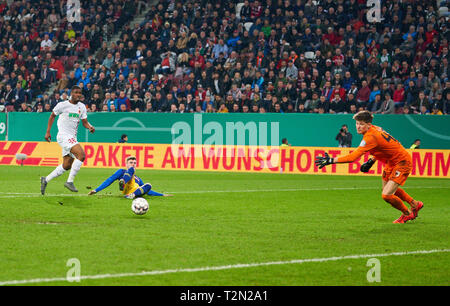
132	181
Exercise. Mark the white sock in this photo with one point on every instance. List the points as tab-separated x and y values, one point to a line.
76	165
55	173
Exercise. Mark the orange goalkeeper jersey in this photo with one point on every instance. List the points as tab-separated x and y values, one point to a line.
381	145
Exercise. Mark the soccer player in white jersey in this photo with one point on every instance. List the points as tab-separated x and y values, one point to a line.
70	113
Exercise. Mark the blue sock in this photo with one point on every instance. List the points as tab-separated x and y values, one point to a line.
154	193
146	189
142	190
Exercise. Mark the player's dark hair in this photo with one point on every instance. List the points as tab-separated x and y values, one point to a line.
364	116
130	158
75	87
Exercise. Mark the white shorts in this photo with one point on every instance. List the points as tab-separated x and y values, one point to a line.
66	142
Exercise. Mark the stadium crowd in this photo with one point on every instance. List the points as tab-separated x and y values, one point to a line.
40	40
281	56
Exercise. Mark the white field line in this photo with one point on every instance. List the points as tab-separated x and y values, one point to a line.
298	189
32	195
227	267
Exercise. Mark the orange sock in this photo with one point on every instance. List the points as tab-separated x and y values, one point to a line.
396	202
404	196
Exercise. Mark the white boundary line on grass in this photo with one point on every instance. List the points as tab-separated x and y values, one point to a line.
217	268
299	189
32	195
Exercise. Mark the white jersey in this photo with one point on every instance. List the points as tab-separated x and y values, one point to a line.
70	116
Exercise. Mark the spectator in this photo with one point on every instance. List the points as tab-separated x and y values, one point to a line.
416	144
18	94
221	47
344	137
363	94
337	105
435	110
108	61
399	96
123	138
421	102
291	71
285	143
388	106
46	43
376	105
45	76
123	100
84	79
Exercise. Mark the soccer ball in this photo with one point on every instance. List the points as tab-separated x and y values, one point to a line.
139	206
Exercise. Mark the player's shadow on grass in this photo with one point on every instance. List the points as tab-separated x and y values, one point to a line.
69	201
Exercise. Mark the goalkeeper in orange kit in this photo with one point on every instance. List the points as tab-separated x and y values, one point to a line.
388	150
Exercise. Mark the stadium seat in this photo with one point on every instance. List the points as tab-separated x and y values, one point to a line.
63	59
443	11
156	68
238	9
71	61
310	55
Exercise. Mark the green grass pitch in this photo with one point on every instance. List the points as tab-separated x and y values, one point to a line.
219	220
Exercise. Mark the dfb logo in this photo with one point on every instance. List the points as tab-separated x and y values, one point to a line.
374	13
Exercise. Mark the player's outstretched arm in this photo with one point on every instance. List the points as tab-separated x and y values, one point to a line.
368	143
322	161
349	158
117	175
87	125
48	137
127	176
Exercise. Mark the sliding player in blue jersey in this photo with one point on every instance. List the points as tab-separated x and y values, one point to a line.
130	184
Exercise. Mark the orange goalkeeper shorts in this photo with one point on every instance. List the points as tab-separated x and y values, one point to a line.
398	173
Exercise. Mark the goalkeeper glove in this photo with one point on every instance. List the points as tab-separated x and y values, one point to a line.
121	184
322	161
367	165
